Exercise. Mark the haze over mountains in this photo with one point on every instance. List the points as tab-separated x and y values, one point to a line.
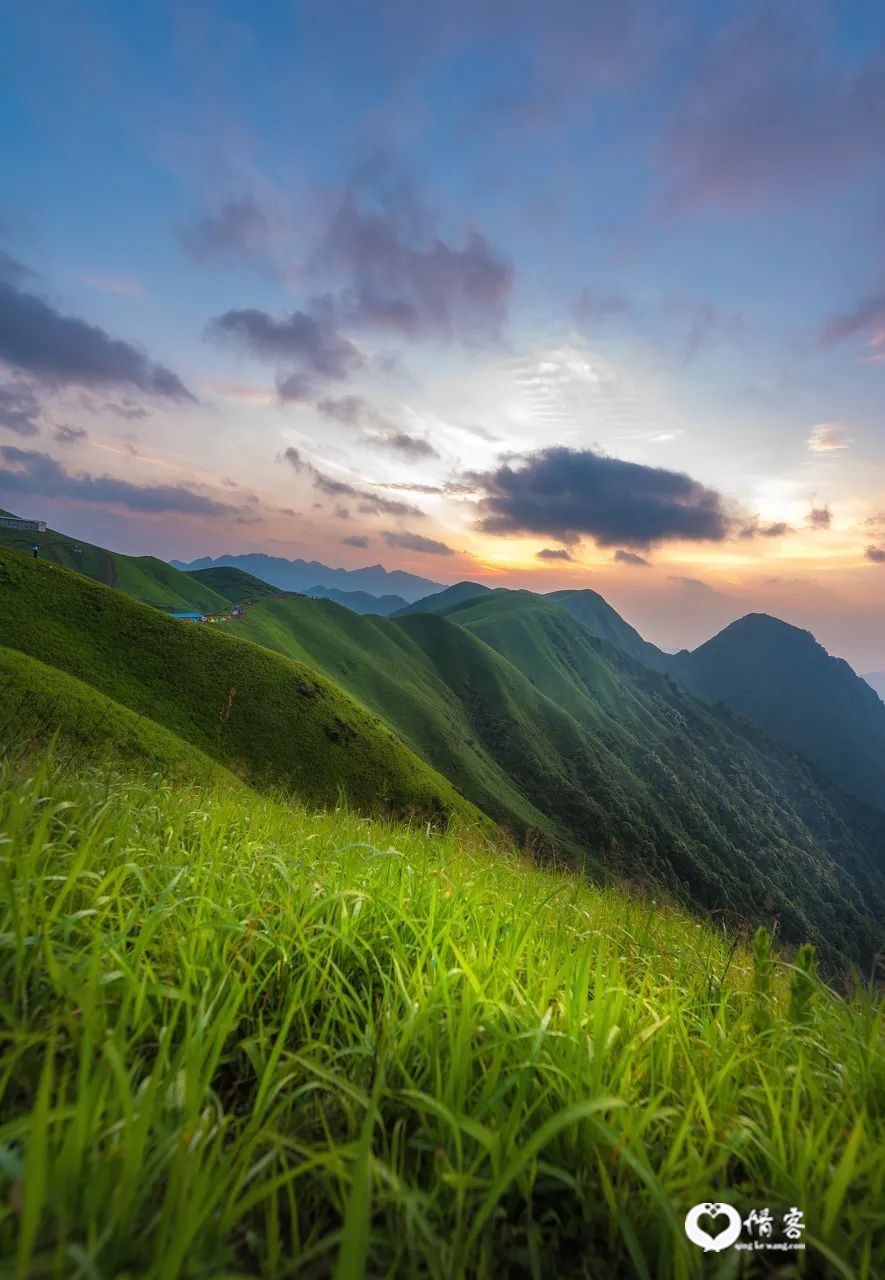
302	575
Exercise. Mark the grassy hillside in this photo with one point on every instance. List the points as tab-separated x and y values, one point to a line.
559	735
272	721
40	704
442	601
600	619
258	1042
147	579
359	601
233	585
503	746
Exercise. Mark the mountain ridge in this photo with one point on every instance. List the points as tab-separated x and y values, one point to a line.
300	575
545	726
780	677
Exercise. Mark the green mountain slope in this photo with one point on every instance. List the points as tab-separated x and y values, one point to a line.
597	615
145	578
560	734
442	601
784	681
450	697
359	601
233	585
271	720
39	704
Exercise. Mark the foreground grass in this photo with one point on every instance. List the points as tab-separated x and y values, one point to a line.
239	1040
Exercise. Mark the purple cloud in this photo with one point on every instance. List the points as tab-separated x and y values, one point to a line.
354	411
866	320
305	344
771	115
239	230
398	274
404	541
368	503
19	409
69	435
64	350
27	471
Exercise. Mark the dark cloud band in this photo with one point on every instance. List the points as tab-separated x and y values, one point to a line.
64	350
572	493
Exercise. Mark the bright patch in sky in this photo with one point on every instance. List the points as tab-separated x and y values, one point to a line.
594	301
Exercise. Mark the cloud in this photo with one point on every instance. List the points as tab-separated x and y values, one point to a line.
349	410
305	345
755	529
695	585
27	471
553	553
866	320
239	230
404	541
402	442
827	437
357	540
630	557
355	411
12	271
127	409
395	271
819	517
569	493
772	115
596	305
68	435
876	554
64	350
19	409
369	503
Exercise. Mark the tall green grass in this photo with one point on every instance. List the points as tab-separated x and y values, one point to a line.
243	1039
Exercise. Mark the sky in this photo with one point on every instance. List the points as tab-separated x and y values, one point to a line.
560	295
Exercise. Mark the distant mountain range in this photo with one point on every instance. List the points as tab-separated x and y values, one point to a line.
304	575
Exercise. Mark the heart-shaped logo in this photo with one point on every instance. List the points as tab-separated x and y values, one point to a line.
714	1211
